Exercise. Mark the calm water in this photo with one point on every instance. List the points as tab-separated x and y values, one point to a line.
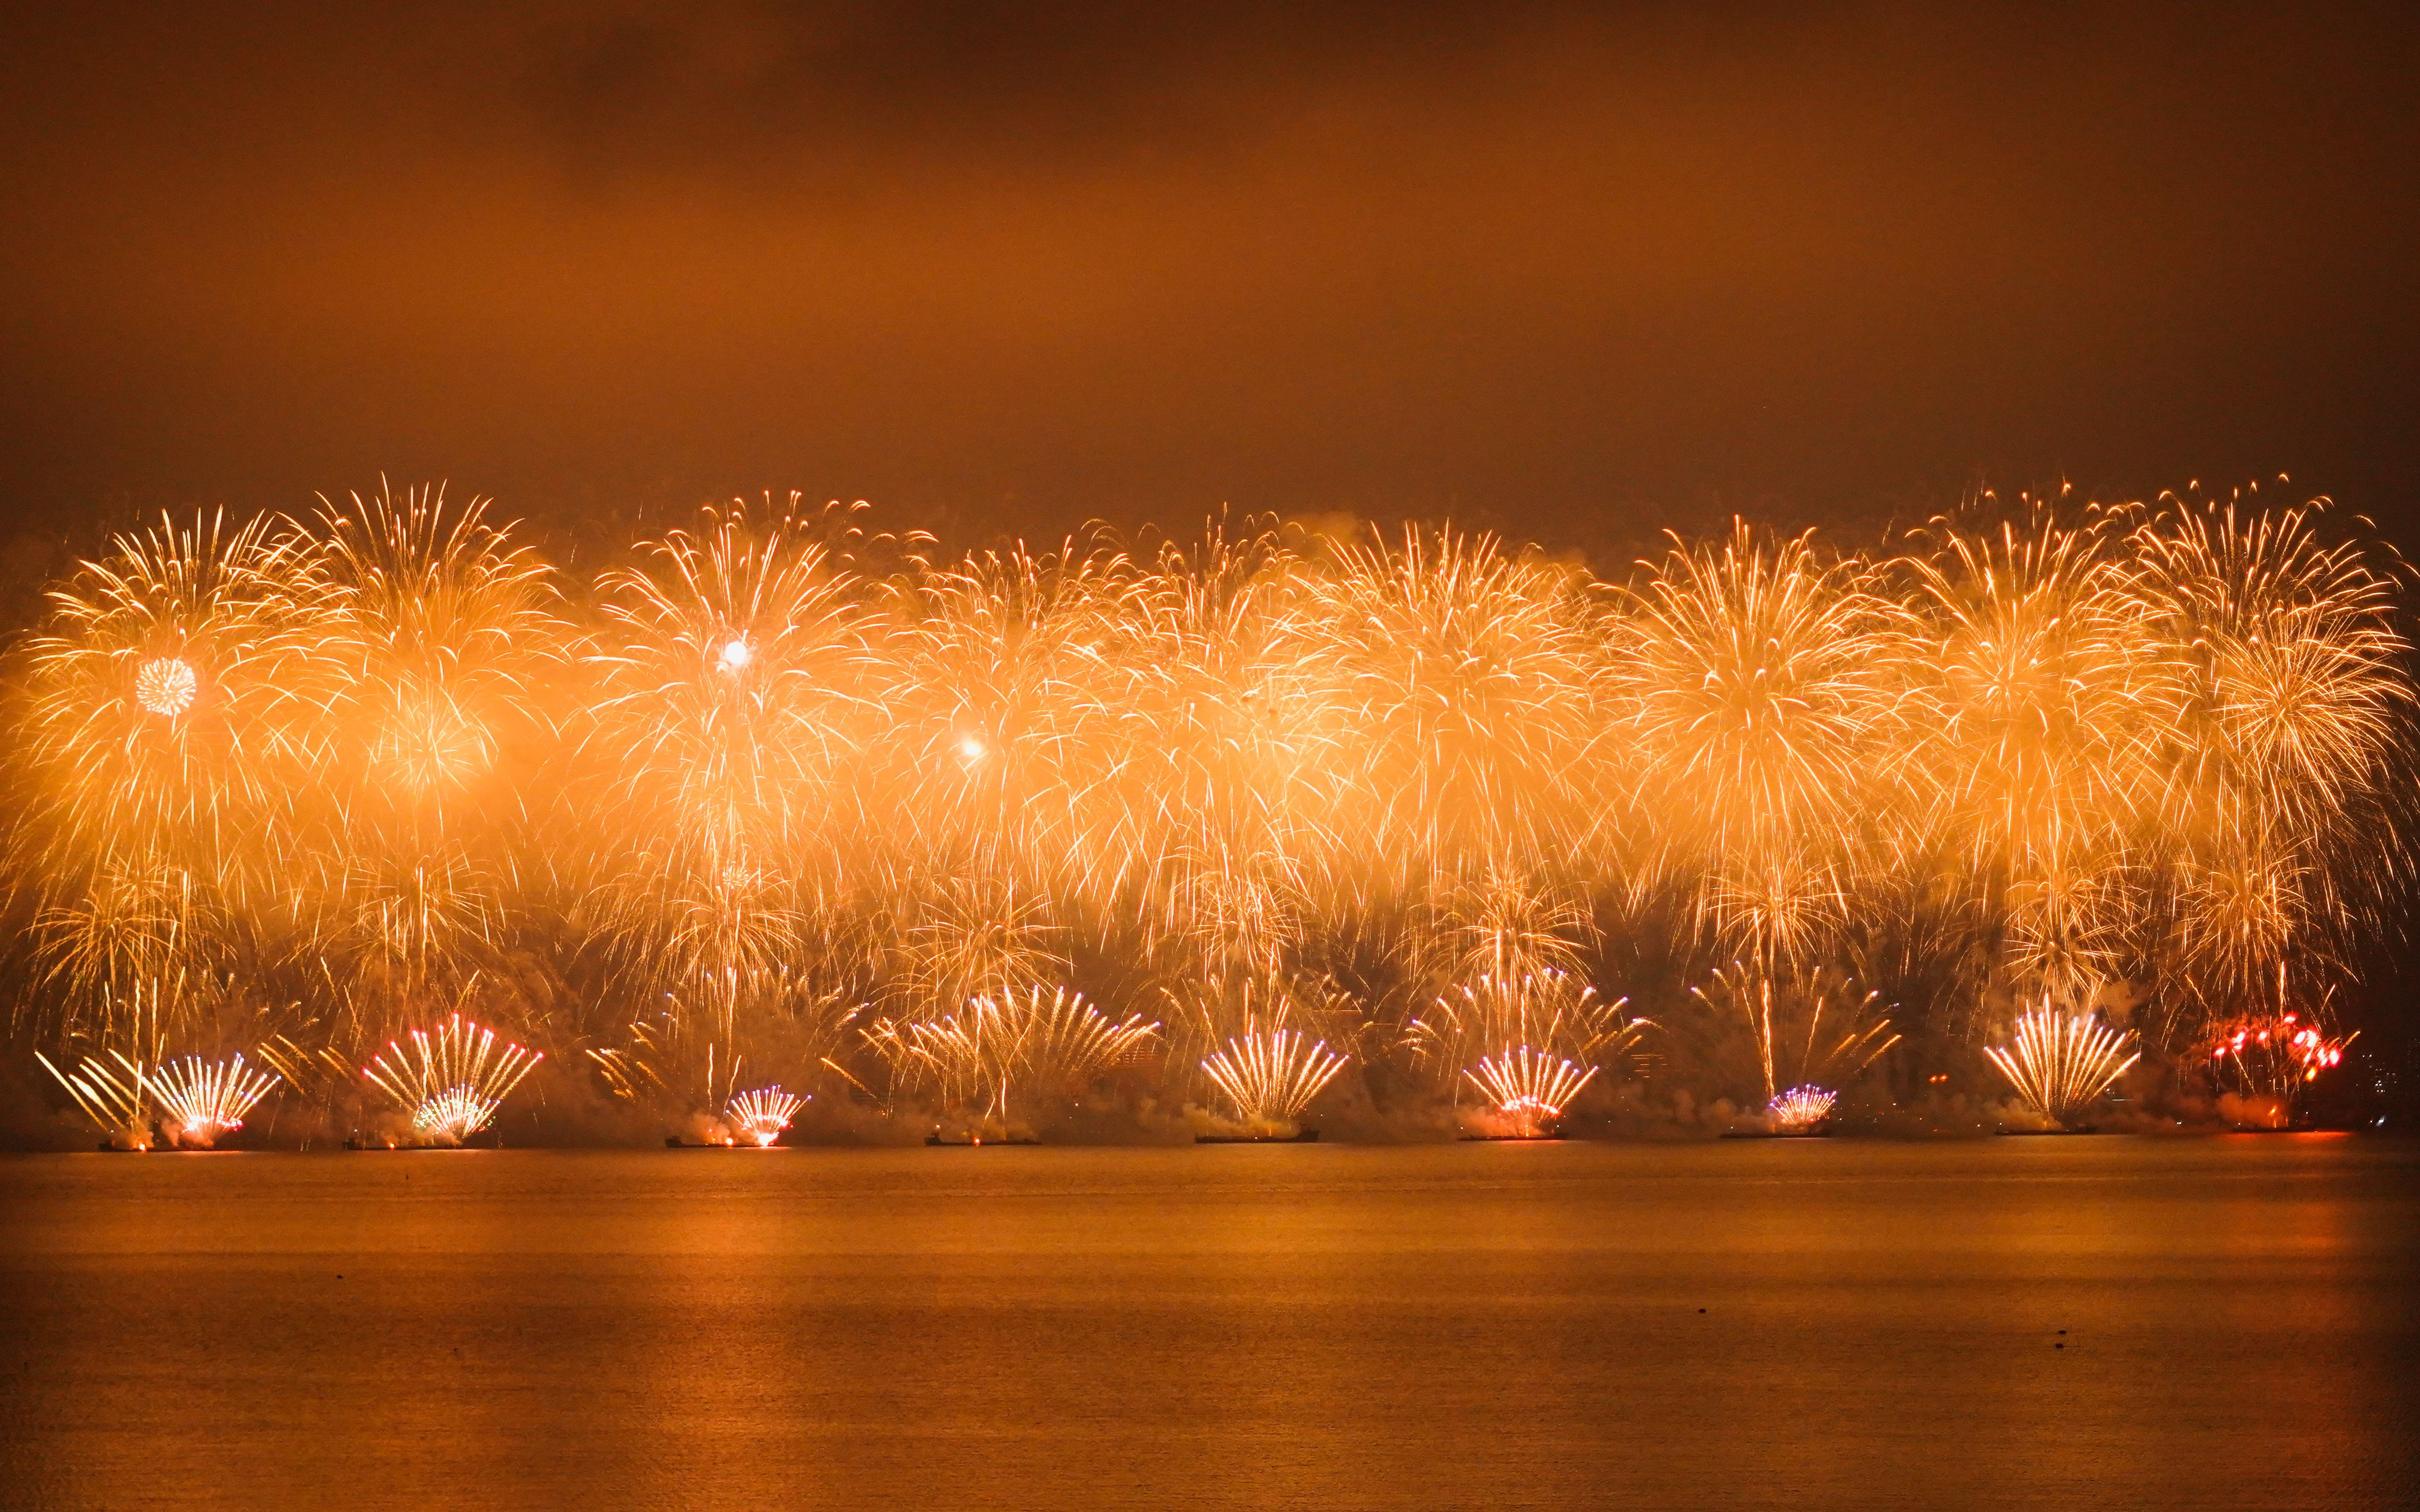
1744	1324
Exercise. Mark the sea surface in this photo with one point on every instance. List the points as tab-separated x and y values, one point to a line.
2212	1322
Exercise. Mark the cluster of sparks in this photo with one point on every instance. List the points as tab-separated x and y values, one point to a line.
1528	1089
2275	1055
114	1093
1269	1077
859	807
452	1081
1800	1109
1052	1042
2060	1063
189	1103
758	1116
2265	1061
202	1099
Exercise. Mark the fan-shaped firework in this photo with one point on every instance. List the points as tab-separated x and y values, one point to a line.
1798	1032
1528	1089
758	1116
1050	1041
1547	1008
1269	1077
1800	1109
202	1099
2060	1063
452	1081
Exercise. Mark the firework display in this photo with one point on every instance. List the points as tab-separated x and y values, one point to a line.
1424	812
118	1098
1526	1090
2265	1062
1049	1045
1800	1109
1780	1034
201	1100
1270	1077
758	1116
2061	1062
452	1081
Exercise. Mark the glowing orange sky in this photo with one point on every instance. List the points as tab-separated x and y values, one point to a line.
1578	274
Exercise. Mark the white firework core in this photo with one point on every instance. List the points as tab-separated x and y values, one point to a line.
166	686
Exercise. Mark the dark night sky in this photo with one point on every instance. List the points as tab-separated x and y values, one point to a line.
1580	274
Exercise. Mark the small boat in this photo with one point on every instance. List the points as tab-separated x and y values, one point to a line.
1469	1138
108	1147
969	1141
1306	1136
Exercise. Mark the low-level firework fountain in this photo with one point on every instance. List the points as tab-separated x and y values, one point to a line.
1527	1090
1798	1110
115	1099
453	1081
2262	1065
1047	1042
2060	1063
1268	1077
201	1100
758	1116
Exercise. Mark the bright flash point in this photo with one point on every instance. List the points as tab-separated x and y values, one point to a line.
166	686
972	749
734	653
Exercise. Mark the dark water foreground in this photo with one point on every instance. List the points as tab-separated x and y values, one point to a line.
1810	1323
